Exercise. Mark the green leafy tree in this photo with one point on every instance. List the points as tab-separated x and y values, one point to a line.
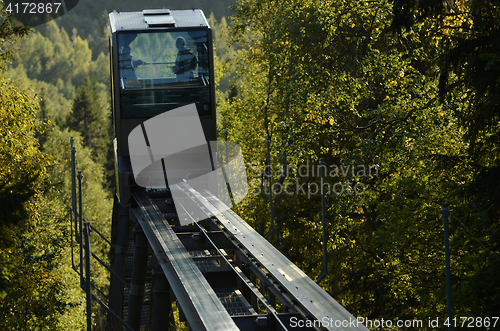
47	294
37	289
22	165
467	33
45	290
9	35
97	209
89	116
330	80
85	113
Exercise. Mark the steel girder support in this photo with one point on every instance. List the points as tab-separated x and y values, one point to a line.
162	317
121	218
197	300
138	278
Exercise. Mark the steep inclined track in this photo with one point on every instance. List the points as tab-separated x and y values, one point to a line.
200	304
223	273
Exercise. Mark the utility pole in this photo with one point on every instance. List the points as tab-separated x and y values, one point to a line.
446	213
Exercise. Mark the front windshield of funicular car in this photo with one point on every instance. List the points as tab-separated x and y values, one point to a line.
162	70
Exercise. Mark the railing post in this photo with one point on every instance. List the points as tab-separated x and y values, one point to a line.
270	181
323	220
88	285
80	213
73	183
446	213
226	164
73	219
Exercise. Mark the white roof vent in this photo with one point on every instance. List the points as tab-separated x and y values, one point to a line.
158	17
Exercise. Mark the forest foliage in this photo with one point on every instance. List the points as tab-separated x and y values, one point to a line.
397	97
38	288
357	84
54	86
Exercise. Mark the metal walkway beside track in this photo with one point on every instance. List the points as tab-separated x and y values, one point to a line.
220	272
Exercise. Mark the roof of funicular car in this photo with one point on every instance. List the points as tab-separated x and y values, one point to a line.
130	21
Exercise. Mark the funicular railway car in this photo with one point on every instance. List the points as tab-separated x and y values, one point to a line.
161	60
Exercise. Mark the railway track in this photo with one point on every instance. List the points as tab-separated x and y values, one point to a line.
220	272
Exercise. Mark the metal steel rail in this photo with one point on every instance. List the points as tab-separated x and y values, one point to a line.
270	309
301	297
296	288
199	303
